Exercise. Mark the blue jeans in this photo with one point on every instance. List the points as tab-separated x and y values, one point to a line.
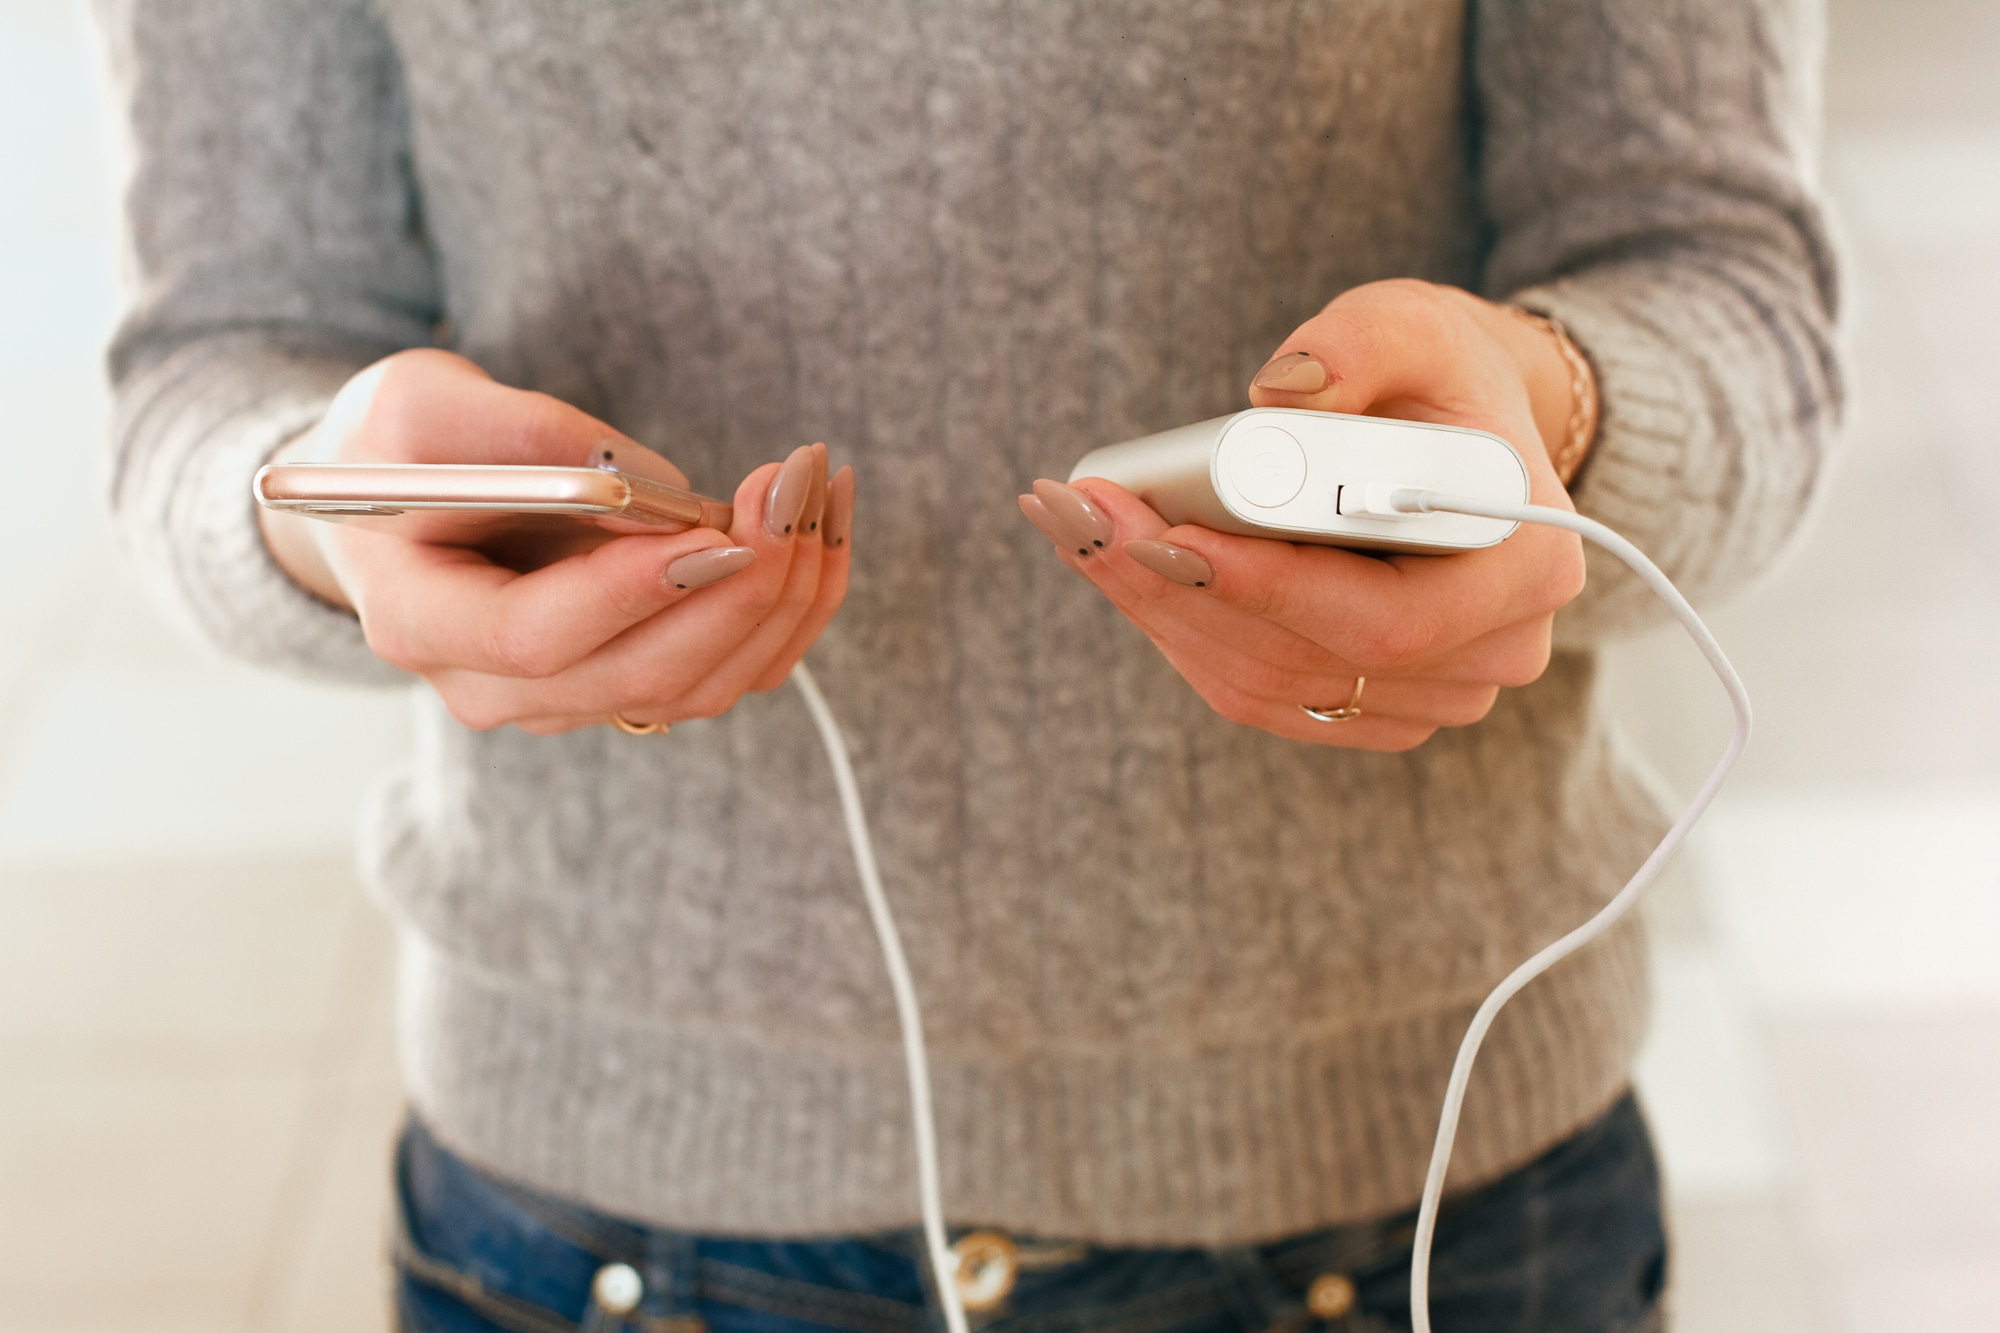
1570	1243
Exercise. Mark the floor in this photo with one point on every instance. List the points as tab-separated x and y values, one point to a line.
197	1086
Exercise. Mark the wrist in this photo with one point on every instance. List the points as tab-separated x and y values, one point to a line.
1562	388
293	541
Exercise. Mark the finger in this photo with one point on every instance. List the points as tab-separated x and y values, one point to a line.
653	678
424	606
781	511
835	561
1401	342
649	671
1458	691
1511	656
1368	730
556	726
1381	615
759	664
1419	351
1081	543
1354	718
1264	593
1169	610
432	406
1209	665
1089	542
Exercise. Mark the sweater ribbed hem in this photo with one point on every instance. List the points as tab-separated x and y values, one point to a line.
715	1134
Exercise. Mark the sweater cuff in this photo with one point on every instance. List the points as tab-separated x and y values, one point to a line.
1654	474
193	429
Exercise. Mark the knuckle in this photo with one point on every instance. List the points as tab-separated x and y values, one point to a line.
1258	602
707	703
770	680
514	651
391	643
1386	641
397	407
1472	707
648	680
630	604
477	714
1416	288
1521	658
1523	666
1264	680
1304	658
1232	705
1276	683
542	417
1574	584
539	411
1406	296
626	680
1564	580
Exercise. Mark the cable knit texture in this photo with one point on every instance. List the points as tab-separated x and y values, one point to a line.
1185	982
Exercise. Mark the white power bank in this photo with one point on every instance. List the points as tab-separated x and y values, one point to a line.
1318	477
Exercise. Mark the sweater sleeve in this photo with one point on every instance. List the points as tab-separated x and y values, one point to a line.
274	248
1647	167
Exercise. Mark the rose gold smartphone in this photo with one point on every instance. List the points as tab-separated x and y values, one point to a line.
521	516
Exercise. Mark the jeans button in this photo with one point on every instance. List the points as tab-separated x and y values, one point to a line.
988	1263
1330	1296
617	1288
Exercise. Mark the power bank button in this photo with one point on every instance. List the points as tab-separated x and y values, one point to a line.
1265	464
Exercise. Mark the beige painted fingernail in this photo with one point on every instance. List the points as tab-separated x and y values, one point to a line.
1294	372
1172	562
1039	515
815	509
1087	525
839	508
706	567
789	493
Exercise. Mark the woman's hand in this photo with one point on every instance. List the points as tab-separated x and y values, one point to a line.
1261	627
659	628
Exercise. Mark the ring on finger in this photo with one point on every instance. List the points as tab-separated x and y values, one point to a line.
1346	712
631	728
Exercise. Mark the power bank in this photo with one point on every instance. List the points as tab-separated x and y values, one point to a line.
1319	477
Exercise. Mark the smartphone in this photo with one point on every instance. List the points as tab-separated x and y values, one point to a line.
520	516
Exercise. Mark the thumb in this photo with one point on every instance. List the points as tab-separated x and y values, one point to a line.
1376	343
433	406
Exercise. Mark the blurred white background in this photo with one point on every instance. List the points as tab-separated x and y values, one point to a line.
197	1089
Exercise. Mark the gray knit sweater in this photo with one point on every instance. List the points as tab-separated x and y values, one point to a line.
1185	982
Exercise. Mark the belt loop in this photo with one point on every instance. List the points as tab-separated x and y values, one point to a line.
1253	1291
673	1269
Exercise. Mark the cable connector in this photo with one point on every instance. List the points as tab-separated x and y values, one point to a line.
1379	499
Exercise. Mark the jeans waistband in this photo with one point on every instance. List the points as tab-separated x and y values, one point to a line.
878	1283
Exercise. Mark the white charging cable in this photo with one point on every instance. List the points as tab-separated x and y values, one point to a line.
1411	500
1404	500
944	1264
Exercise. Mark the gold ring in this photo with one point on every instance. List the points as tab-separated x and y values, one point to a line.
631	728
1346	712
